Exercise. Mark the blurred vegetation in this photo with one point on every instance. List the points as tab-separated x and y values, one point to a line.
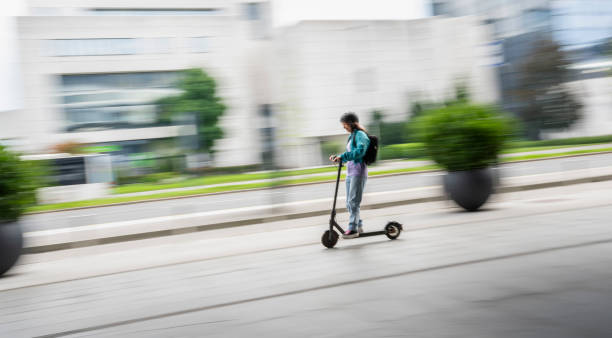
245	177
387	132
548	104
199	98
329	148
417	150
394	133
405	150
563	141
464	136
18	183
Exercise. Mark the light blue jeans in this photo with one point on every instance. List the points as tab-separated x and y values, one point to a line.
354	192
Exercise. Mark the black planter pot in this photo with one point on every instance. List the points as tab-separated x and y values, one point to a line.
11	244
470	189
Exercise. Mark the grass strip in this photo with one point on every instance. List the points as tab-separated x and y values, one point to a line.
278	182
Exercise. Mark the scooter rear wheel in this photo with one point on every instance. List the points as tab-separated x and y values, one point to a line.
327	241
393	230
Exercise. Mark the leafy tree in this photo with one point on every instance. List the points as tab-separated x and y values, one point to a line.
199	98
547	102
376	121
387	132
462	95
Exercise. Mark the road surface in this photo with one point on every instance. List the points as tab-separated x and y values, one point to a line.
533	264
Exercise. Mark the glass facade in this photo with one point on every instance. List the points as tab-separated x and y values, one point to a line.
582	27
581	23
252	11
107	101
574	23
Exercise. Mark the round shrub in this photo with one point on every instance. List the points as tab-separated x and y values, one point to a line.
463	136
17	185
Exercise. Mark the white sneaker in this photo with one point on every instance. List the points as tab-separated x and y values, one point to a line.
350	234
360	229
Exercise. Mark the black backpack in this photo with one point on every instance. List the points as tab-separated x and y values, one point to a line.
372	151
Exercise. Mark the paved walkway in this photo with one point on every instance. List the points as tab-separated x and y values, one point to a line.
533	264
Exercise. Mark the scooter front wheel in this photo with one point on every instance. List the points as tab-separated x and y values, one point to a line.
393	230
329	241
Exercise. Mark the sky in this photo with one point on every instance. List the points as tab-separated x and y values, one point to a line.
10	93
285	12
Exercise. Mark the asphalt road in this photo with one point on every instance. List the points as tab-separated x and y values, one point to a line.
533	264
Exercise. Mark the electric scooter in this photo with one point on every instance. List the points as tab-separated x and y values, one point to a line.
330	237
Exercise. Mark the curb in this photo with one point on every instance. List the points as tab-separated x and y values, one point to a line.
257	220
292	185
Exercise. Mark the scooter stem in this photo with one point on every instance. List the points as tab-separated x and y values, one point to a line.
333	213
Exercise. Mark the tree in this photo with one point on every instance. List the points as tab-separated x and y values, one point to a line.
376	120
547	102
198	98
387	132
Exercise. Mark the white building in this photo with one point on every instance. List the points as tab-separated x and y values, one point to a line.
93	68
331	67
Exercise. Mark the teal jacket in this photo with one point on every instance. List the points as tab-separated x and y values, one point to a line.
358	149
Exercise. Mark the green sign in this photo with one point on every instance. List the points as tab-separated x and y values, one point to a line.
101	149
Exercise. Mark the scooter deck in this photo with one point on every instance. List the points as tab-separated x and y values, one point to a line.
372	233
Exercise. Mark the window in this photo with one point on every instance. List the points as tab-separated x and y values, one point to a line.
88	82
252	11
155	11
116	100
536	18
82	47
46	11
121	46
440	8
198	45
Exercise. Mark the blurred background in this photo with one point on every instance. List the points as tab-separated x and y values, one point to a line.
111	93
164	168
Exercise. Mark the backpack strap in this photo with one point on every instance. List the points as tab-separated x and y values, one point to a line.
355	136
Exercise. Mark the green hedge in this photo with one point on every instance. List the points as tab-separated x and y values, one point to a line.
406	150
417	150
562	142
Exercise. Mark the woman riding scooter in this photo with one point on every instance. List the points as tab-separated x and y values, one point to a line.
357	170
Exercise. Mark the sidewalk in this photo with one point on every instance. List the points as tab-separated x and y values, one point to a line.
96	234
